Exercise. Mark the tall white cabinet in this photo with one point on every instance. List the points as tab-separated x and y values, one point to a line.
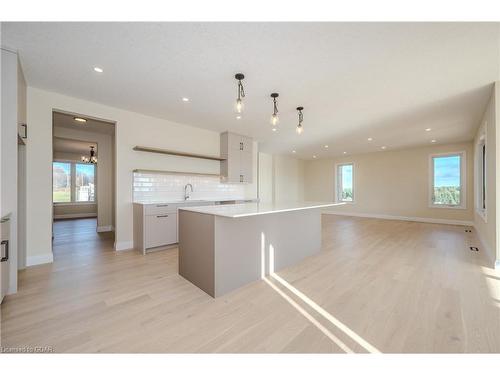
237	151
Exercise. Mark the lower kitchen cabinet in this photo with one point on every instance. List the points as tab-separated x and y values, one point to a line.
160	230
156	225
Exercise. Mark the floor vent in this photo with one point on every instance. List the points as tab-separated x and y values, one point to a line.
473	248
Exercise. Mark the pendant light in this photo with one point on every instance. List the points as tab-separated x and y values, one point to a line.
274	116
241	92
300	128
92	159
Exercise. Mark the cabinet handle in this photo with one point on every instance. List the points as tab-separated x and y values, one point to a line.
241	178
162	205
241	146
6	257
25	126
161	215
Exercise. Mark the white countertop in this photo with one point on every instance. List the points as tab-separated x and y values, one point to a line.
190	201
251	209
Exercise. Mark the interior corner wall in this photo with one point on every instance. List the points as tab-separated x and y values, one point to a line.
390	183
131	129
281	178
486	228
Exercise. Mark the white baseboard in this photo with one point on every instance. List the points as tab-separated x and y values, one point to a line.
39	259
124	245
74	216
489	252
404	218
105	228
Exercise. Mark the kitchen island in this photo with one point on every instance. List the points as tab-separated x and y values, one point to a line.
222	248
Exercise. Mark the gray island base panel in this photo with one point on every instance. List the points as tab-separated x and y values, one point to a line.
220	253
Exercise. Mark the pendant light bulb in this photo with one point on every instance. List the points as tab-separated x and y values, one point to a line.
274	119
239	105
299	129
241	92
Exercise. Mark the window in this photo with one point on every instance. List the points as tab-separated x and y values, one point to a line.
61	182
345	182
447	180
73	182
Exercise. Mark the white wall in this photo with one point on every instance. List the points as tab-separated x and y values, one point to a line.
281	178
105	193
393	183
266	183
9	156
131	129
486	227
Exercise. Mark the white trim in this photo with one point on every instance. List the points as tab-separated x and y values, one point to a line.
74	216
39	259
497	265
124	245
105	228
463	181
404	218
478	173
58	204
337	180
485	246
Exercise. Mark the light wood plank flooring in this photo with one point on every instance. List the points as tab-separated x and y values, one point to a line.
377	286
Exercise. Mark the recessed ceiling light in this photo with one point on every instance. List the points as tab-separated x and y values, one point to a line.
185	99
326	146
314	156
428	129
294	151
345	152
98	70
433	141
238	117
79	119
370	139
274	129
383	147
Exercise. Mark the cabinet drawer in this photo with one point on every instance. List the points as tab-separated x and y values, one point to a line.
160	230
160	208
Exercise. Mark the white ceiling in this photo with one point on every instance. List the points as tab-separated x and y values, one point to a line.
72	146
65	120
388	81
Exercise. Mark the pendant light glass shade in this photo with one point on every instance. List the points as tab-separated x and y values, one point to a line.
300	128
274	117
241	93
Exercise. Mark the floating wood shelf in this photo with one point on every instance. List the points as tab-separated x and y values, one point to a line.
177	153
175	172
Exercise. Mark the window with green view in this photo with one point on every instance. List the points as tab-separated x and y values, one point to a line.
345	183
447	180
73	182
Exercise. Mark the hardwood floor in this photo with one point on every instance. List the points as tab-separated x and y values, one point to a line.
378	285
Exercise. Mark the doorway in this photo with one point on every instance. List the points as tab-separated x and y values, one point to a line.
83	189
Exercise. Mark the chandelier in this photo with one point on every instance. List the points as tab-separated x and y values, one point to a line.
92	159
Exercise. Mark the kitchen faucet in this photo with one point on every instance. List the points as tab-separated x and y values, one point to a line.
186	194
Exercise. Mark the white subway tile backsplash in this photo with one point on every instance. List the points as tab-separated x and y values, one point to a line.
170	187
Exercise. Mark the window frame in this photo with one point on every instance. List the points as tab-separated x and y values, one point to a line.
338	182
73	202
463	181
481	174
